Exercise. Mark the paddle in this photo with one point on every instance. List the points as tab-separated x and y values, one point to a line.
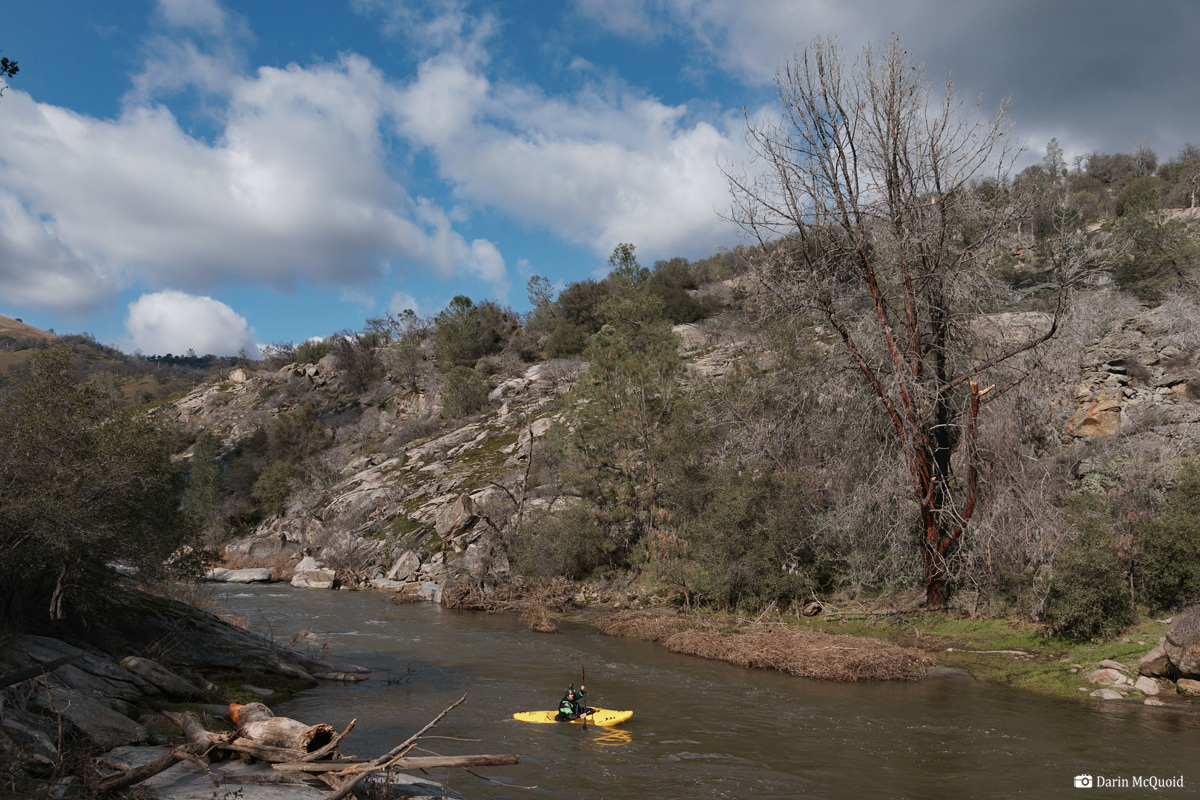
583	685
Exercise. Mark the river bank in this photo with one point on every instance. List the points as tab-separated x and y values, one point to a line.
417	671
871	641
908	645
700	728
867	642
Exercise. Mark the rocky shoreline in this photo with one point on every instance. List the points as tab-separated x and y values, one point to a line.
1171	668
102	688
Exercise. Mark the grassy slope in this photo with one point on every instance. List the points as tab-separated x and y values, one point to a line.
16	338
1043	664
19	331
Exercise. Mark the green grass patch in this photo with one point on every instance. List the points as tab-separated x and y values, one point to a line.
284	687
402	525
487	450
1009	652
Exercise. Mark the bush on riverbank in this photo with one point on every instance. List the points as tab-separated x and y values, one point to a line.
1169	566
1088	597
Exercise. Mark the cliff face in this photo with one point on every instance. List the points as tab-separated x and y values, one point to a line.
390	509
406	502
1140	377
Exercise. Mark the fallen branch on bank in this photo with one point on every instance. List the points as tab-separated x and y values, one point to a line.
352	766
381	763
36	670
291	746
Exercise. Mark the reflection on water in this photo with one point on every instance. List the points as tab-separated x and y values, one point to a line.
700	729
611	737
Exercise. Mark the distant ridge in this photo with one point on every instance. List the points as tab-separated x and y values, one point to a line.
18	329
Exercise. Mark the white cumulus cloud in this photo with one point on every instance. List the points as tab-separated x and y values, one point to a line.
175	322
602	166
296	187
38	269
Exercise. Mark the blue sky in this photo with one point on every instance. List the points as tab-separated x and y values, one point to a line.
181	174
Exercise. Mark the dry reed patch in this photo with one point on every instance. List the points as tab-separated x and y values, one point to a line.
799	652
647	625
540	621
537	603
553	595
281	566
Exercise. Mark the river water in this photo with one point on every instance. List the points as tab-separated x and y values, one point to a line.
701	729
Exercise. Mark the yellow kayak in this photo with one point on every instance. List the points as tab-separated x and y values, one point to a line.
602	717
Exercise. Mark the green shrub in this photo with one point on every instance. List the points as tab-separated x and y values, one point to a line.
1088	596
569	543
579	304
464	393
1161	249
312	351
678	306
565	339
82	486
749	535
274	486
1169	562
457	332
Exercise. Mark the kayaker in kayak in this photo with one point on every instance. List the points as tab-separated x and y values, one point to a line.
571	706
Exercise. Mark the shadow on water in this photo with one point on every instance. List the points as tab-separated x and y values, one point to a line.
701	729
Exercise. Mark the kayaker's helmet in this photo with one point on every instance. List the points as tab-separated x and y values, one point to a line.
570	691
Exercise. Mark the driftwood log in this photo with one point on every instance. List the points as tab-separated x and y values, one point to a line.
291	746
354	765
259	724
383	762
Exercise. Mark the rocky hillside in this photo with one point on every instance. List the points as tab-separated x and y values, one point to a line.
408	502
395	514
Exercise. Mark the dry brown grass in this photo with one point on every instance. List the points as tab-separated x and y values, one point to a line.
282	566
540	621
193	593
796	651
537	603
516	597
652	626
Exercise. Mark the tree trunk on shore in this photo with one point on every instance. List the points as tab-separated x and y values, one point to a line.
259	724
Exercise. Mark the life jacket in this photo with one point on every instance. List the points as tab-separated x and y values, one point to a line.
567	706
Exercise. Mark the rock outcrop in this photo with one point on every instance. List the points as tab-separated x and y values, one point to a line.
248	575
1182	644
1133	377
1155	664
95	677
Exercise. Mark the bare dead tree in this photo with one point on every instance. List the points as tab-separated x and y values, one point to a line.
877	206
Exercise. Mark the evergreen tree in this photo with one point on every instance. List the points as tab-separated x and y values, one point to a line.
205	486
624	403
